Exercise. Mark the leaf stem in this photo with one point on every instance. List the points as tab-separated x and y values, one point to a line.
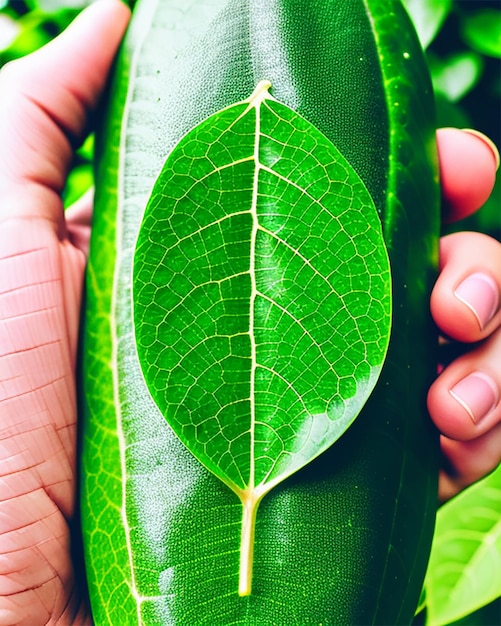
250	506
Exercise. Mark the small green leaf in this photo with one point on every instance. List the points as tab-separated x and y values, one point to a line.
456	75
261	297
482	31
464	572
428	17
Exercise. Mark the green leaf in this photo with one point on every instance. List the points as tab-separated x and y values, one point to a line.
262	304
486	616
456	75
482	31
428	17
464	572
345	540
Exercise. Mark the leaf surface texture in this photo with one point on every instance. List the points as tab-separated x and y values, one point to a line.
262	301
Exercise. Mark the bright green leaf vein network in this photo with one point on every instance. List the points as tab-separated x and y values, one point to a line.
262	293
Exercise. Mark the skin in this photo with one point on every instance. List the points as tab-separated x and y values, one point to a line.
51	97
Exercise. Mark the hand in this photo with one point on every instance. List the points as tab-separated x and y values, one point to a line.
464	401
45	104
51	95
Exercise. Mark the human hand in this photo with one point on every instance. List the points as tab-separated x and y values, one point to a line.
464	401
45	104
42	256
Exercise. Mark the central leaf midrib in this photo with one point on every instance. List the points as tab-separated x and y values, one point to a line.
252	271
250	497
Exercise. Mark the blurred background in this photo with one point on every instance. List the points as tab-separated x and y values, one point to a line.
462	41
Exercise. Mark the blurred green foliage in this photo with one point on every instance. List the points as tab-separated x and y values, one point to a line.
462	39
464	572
25	26
475	102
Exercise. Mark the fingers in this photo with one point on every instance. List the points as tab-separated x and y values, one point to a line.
45	101
465	302
464	401
469	460
468	164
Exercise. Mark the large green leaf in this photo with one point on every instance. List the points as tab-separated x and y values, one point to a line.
464	572
344	540
262	303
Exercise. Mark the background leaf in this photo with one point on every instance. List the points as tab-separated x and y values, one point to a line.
464	572
455	76
482	31
428	17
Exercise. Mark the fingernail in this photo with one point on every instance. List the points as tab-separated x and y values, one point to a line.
488	141
481	295
477	394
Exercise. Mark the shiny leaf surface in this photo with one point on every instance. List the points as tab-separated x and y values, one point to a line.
344	540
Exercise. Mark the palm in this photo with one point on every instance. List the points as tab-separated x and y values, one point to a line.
40	285
47	99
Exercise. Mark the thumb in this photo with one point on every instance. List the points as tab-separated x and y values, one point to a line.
465	302
468	164
45	102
